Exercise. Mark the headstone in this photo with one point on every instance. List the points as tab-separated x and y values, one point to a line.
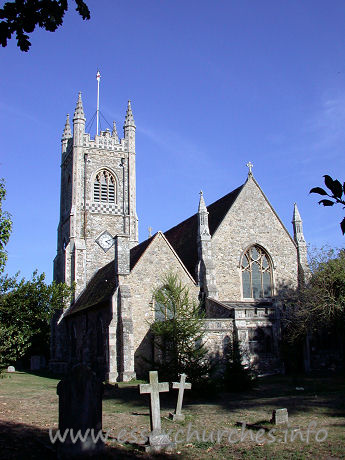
11	369
180	386
158	441
280	416
80	408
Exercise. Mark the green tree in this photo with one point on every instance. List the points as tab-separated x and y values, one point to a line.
179	331
22	16
337	195
237	376
26	308
5	227
320	303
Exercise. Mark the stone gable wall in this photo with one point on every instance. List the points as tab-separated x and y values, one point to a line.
147	275
251	221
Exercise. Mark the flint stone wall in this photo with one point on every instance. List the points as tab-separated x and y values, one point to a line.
250	221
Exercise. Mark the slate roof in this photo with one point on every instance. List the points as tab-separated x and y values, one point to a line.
138	251
183	239
102	285
219	208
98	290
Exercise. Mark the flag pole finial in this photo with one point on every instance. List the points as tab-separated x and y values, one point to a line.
98	77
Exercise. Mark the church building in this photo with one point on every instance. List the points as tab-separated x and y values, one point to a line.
234	255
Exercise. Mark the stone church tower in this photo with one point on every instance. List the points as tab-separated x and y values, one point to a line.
98	198
97	202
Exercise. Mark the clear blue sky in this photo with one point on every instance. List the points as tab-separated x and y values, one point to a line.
213	85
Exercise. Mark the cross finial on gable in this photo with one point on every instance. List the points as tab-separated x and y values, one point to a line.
150	231
250	166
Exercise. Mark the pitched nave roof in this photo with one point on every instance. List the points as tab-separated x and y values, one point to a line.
183	239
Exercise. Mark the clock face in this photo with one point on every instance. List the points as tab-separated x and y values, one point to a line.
105	241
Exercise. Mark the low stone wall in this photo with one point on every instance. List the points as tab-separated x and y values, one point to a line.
218	336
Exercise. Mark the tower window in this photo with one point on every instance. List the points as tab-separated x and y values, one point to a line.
104	187
256	274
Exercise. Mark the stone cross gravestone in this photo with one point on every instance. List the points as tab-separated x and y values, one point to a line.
280	416
180	386
80	408
158	440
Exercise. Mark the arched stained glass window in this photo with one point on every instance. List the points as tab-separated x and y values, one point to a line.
256	274
104	187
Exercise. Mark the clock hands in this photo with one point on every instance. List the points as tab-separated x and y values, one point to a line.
105	241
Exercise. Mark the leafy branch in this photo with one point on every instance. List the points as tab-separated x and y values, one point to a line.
337	193
5	227
22	16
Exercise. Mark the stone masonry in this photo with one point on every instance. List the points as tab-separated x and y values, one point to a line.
234	256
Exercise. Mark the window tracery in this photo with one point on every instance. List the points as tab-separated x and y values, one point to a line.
256	273
104	187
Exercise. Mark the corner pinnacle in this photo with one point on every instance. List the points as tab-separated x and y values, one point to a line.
67	133
79	111
129	120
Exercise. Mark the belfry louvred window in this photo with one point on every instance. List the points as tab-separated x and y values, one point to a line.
104	187
256	274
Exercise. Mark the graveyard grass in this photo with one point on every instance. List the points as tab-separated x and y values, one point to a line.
29	407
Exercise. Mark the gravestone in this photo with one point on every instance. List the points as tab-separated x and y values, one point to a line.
80	408
180	386
11	369
158	440
280	416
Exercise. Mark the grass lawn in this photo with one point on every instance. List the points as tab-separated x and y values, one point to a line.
29	407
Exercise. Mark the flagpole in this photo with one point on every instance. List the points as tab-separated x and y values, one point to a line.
98	76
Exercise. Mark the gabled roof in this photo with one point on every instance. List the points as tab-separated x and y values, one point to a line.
273	210
99	289
139	250
183	240
183	237
103	283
